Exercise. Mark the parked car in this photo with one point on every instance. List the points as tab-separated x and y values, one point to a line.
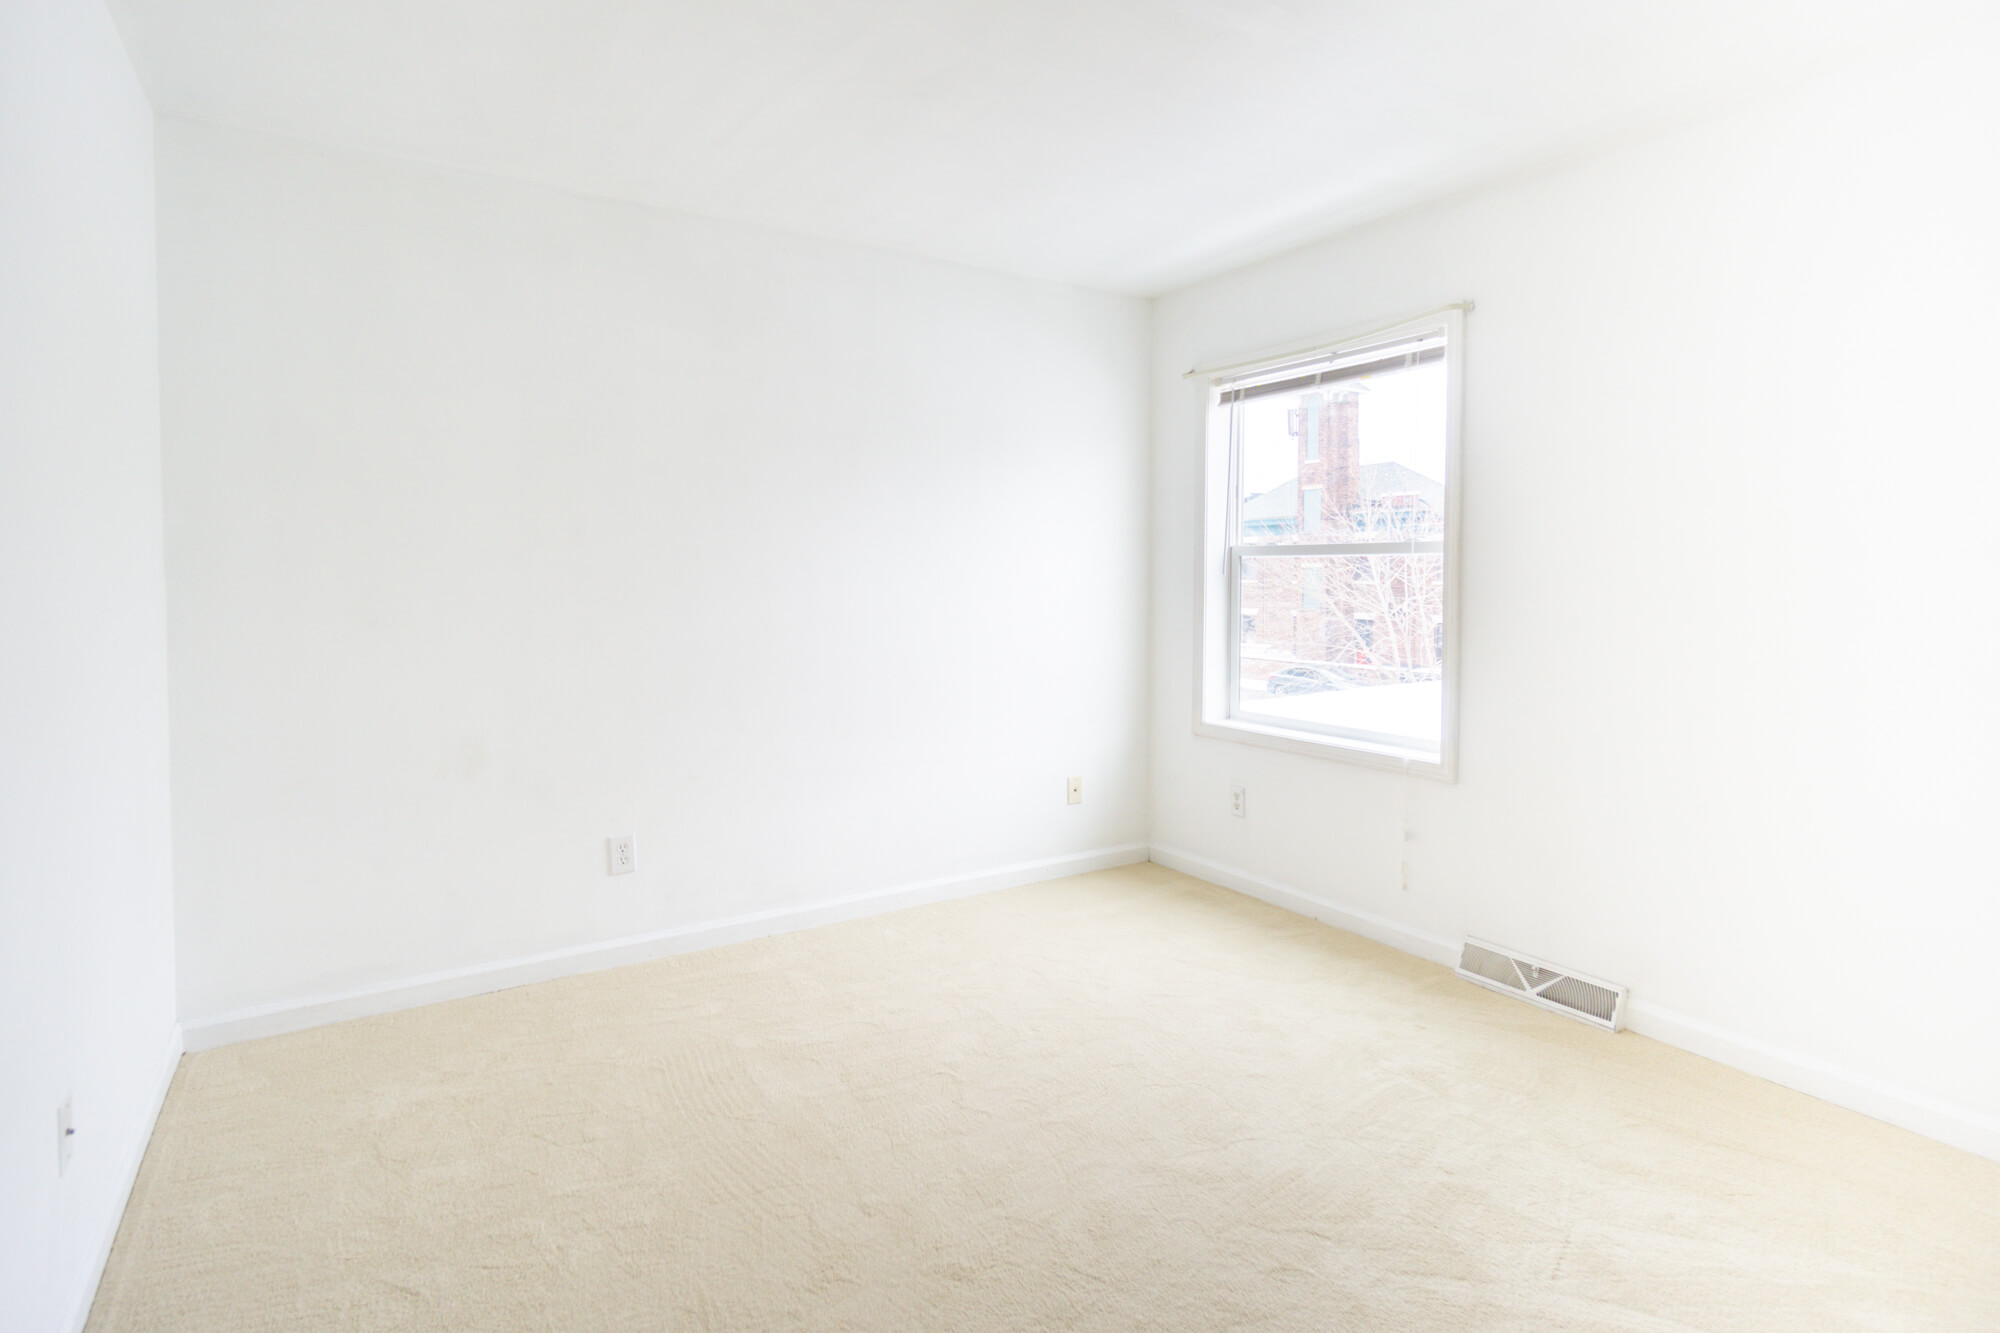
1302	680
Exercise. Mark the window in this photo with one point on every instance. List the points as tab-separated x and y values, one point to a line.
1327	620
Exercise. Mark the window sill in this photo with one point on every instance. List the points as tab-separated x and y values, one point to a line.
1416	763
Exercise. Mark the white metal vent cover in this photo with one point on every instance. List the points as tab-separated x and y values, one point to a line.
1598	1003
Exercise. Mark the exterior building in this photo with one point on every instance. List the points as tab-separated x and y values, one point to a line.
1369	619
1393	498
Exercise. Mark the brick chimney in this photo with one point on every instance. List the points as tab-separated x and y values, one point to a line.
1326	430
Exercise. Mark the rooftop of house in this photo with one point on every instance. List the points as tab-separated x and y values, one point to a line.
1379	481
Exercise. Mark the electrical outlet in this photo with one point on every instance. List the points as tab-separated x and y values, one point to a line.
1238	802
1076	791
622	850
65	1137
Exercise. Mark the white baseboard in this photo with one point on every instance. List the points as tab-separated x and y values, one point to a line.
269	1020
1429	947
79	1311
1905	1107
1911	1110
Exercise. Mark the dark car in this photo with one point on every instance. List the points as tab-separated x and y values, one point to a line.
1302	680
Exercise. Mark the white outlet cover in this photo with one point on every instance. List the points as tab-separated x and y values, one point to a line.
621	854
65	1136
1238	802
1076	791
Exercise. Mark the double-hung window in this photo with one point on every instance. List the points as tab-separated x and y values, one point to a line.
1329	566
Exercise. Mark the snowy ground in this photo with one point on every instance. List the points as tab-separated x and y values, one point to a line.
1413	711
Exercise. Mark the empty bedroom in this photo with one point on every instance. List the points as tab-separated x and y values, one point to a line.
879	665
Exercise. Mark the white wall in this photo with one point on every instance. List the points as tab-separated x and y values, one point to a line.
1728	725
500	520
86	912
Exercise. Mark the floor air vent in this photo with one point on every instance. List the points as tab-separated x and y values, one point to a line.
1595	1002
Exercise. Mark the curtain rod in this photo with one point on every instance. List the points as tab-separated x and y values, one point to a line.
1400	361
1325	343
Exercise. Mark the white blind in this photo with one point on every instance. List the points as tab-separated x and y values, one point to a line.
1352	363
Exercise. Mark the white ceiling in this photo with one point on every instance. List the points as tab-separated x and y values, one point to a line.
1130	145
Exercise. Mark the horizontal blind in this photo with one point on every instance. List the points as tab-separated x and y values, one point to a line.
1355	363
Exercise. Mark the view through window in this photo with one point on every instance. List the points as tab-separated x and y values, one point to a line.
1336	533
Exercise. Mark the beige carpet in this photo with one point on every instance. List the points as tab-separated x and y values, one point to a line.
1123	1101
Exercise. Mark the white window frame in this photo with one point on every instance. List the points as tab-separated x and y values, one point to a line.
1218	592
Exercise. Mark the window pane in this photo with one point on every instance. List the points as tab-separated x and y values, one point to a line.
1350	460
1352	644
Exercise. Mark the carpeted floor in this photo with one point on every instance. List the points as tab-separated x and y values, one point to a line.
1122	1101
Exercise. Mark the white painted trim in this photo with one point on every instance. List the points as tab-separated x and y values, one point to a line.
1291	739
1318	346
1431	948
267	1020
79	1310
1908	1109
1916	1111
1219	552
